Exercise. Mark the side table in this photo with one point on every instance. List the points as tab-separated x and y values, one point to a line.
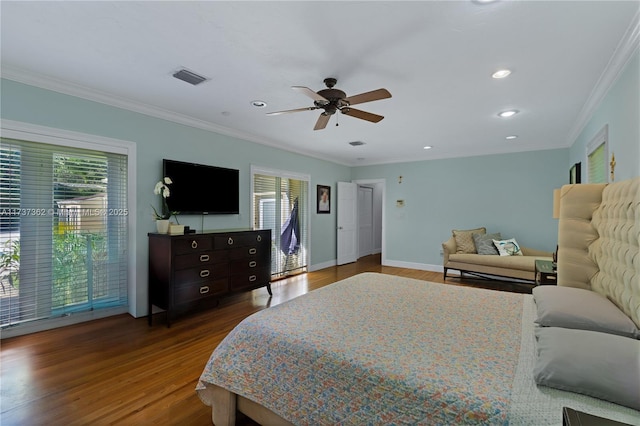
545	273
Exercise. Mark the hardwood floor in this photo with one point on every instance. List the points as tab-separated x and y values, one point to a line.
119	370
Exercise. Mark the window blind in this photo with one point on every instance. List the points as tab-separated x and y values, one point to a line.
280	204
597	170
63	230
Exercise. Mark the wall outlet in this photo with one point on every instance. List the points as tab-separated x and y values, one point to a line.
441	253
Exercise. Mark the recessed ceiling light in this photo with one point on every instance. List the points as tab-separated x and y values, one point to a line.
509	113
259	104
511	137
427	147
501	73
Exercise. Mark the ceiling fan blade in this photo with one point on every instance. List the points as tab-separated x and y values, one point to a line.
374	95
363	115
288	111
310	93
322	121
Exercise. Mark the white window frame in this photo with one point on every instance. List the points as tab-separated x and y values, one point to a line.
602	137
31	132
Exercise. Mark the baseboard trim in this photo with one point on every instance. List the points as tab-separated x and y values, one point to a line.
323	265
414	265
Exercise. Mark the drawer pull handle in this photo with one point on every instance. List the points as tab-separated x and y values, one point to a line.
204	258
252	278
259	238
252	264
194	244
204	273
230	241
252	251
204	289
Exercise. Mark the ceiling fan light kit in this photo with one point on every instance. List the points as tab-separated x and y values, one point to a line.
332	100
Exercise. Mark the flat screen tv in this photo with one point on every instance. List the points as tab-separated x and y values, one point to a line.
201	189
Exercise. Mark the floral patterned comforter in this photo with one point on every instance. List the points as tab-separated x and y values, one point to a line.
380	349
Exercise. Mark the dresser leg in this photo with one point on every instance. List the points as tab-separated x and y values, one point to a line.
269	289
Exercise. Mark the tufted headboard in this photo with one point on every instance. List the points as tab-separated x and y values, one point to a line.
599	241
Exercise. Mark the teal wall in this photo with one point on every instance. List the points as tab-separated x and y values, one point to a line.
157	139
509	193
620	109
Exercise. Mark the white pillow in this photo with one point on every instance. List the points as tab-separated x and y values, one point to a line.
508	247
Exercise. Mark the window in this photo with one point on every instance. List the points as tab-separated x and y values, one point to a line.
280	201
597	154
63	230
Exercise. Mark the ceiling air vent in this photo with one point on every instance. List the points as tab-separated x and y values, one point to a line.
189	76
356	143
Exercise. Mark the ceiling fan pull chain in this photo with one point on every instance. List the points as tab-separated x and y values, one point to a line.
337	120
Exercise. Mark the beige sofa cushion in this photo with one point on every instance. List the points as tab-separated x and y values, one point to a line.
524	263
464	239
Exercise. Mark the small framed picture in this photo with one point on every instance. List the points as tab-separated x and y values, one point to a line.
324	199
575	173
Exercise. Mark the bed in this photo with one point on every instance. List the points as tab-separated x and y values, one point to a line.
379	349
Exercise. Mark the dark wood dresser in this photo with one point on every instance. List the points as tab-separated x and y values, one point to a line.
193	271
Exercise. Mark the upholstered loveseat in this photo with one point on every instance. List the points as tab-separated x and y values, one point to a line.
465	258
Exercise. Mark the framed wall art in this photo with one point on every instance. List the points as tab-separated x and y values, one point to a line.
324	199
575	173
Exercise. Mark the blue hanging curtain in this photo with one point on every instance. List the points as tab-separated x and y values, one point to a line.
290	235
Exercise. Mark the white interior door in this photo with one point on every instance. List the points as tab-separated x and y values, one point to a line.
347	223
365	221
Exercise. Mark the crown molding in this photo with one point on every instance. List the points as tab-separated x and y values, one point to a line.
67	88
626	48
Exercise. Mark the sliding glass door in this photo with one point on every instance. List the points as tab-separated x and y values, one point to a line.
280	201
63	230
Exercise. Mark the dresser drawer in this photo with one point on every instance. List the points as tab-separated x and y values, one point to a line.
255	278
201	259
241	239
203	273
192	244
244	252
248	265
195	291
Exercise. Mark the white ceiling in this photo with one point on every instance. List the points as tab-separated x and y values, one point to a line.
435	57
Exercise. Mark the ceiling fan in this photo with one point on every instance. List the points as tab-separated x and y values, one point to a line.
332	100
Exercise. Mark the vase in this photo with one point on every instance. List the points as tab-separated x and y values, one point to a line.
162	226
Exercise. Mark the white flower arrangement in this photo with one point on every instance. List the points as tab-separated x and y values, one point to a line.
162	189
